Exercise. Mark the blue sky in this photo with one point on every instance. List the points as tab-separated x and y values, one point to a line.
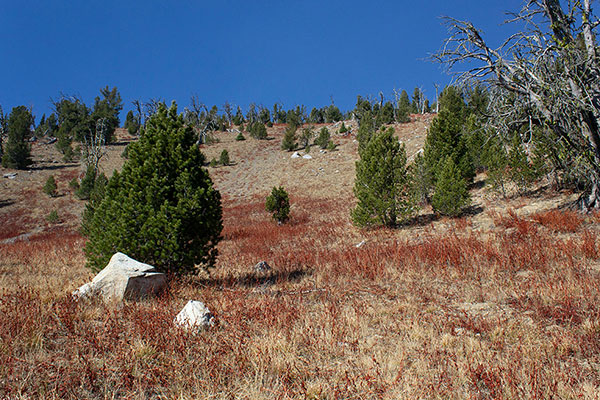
293	52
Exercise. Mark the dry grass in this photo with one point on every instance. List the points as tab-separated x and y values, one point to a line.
503	304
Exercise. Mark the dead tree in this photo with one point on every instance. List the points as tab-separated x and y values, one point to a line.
548	72
94	148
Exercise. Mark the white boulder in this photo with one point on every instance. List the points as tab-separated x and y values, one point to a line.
307	156
194	316
296	155
123	279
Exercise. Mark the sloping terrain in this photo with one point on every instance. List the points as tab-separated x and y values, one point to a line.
502	303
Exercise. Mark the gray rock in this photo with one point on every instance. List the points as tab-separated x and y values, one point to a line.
262	266
195	316
123	279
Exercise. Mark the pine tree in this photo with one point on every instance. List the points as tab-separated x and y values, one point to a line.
224	157
162	209
323	140
50	186
451	194
404	108
288	142
446	137
381	184
106	112
132	124
17	151
365	131
278	203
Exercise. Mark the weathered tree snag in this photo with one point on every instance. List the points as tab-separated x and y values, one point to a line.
549	71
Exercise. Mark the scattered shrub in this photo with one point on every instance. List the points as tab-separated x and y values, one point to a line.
331	146
224	158
279	204
52	217
323	140
50	186
213	162
240	137
257	130
343	128
288	142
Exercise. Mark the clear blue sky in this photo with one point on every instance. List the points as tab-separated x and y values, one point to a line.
293	52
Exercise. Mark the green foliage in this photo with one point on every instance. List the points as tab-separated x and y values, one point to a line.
106	111
446	138
288	142
50	186
404	108
257	130
331	146
323	140
366	130
451	193
381	184
306	136
240	137
343	128
74	123
95	198
52	217
16	150
420	184
224	157
162	208
279	204
333	114
385	114
521	171
213	162
87	184
74	184
495	160
132	124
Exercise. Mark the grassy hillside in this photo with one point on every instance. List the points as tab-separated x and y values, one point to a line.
502	303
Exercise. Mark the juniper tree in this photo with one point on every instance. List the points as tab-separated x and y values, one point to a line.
381	185
162	208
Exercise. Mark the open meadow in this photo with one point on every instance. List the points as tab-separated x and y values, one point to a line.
502	303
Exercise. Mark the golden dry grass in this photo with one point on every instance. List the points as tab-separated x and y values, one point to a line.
501	304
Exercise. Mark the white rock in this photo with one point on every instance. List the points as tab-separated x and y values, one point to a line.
194	316
11	175
123	278
296	155
361	244
307	156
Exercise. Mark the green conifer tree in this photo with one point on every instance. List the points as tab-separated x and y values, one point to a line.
451	194
224	157
278	203
323	140
288	142
17	151
50	186
381	184
162	209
